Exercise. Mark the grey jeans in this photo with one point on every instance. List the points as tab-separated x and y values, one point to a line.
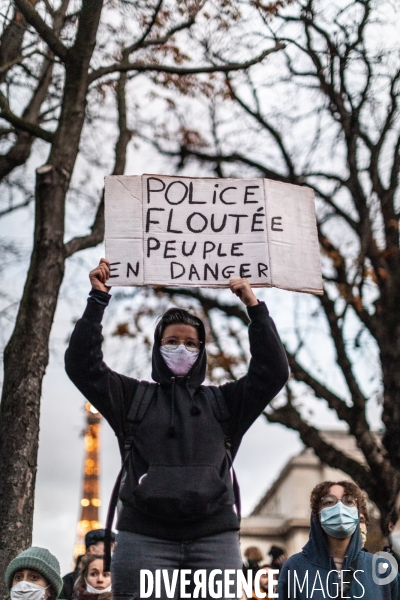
135	553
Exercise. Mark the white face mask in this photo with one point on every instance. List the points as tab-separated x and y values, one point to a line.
180	360
93	590
25	590
394	539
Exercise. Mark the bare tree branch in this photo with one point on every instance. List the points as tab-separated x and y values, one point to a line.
288	415
231	310
268	127
92	239
5	67
334	402
46	33
149	68
15	207
35	130
343	361
97	230
141	40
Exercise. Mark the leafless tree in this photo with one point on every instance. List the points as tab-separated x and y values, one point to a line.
61	62
324	114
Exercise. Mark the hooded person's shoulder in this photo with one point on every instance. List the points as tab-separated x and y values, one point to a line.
296	562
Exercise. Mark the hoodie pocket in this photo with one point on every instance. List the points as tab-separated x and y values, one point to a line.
181	492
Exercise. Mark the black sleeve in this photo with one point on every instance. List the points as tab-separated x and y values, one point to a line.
267	374
108	391
68	587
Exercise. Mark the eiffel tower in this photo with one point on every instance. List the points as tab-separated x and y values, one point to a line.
90	501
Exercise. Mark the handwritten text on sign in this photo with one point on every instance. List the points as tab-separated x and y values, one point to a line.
202	232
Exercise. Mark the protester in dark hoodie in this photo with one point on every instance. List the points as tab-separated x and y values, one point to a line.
332	564
177	501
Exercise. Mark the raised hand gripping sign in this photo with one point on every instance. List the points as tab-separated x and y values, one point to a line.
184	231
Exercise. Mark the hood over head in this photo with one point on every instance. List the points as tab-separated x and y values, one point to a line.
317	548
162	374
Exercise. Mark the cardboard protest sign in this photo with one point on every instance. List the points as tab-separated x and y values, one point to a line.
184	231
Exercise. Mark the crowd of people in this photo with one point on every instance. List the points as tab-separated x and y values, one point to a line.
35	574
334	563
179	500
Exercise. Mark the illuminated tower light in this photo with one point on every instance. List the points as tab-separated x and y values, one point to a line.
90	502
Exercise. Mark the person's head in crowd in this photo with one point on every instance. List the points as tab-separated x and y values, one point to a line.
264	578
278	556
338	506
94	541
92	578
253	556
35	575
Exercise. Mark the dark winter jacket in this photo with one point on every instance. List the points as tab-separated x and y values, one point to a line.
309	570
179	445
68	584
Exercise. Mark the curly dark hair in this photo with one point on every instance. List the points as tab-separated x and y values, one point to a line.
322	489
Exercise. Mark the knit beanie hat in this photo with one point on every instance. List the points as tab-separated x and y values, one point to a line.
37	559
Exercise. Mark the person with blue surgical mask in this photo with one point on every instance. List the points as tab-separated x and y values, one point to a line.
332	564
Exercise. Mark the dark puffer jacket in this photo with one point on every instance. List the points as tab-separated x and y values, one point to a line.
178	483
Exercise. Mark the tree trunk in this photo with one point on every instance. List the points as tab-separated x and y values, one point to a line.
25	360
26	355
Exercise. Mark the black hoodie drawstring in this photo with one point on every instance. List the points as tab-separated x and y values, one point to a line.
172	428
194	410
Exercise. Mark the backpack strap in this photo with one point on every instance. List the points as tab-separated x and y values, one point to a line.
218	402
221	413
140	403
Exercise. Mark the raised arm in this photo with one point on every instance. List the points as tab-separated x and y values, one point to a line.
108	391
268	369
